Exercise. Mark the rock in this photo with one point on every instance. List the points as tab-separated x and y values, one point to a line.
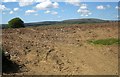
7	54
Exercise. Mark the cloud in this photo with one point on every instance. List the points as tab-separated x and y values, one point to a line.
54	13
73	2
83	6
2	7
108	6
9	0
36	14
30	11
51	12
40	0
46	12
16	9
11	12
46	5
83	10
117	7
101	7
59	16
25	2
55	5
3	13
118	16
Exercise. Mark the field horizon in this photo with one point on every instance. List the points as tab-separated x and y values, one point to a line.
68	21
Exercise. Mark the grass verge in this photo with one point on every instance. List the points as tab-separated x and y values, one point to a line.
108	41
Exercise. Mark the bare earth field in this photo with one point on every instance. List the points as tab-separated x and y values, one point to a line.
62	50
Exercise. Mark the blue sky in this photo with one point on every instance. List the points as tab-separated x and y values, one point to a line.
57	11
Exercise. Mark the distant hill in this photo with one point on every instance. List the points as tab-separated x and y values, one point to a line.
42	23
85	20
70	21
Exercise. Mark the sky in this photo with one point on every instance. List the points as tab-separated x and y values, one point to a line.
47	10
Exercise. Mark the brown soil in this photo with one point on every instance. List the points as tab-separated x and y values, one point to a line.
62	50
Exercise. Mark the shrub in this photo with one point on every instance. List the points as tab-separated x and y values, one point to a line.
15	23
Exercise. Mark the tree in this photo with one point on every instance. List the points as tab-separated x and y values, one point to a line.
15	23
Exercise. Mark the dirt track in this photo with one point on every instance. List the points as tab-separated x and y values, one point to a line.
63	50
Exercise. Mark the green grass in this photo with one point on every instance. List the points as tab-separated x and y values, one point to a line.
108	41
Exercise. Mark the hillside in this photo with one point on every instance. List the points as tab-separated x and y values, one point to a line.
61	50
85	20
70	21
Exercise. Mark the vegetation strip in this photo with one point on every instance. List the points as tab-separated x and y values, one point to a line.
108	41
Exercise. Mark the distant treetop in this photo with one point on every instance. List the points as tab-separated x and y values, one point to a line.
16	23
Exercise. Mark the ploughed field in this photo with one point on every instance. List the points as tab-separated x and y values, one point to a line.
62	50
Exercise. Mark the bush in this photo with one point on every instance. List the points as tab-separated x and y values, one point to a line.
16	23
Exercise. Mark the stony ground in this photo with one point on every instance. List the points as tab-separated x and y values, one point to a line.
62	50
